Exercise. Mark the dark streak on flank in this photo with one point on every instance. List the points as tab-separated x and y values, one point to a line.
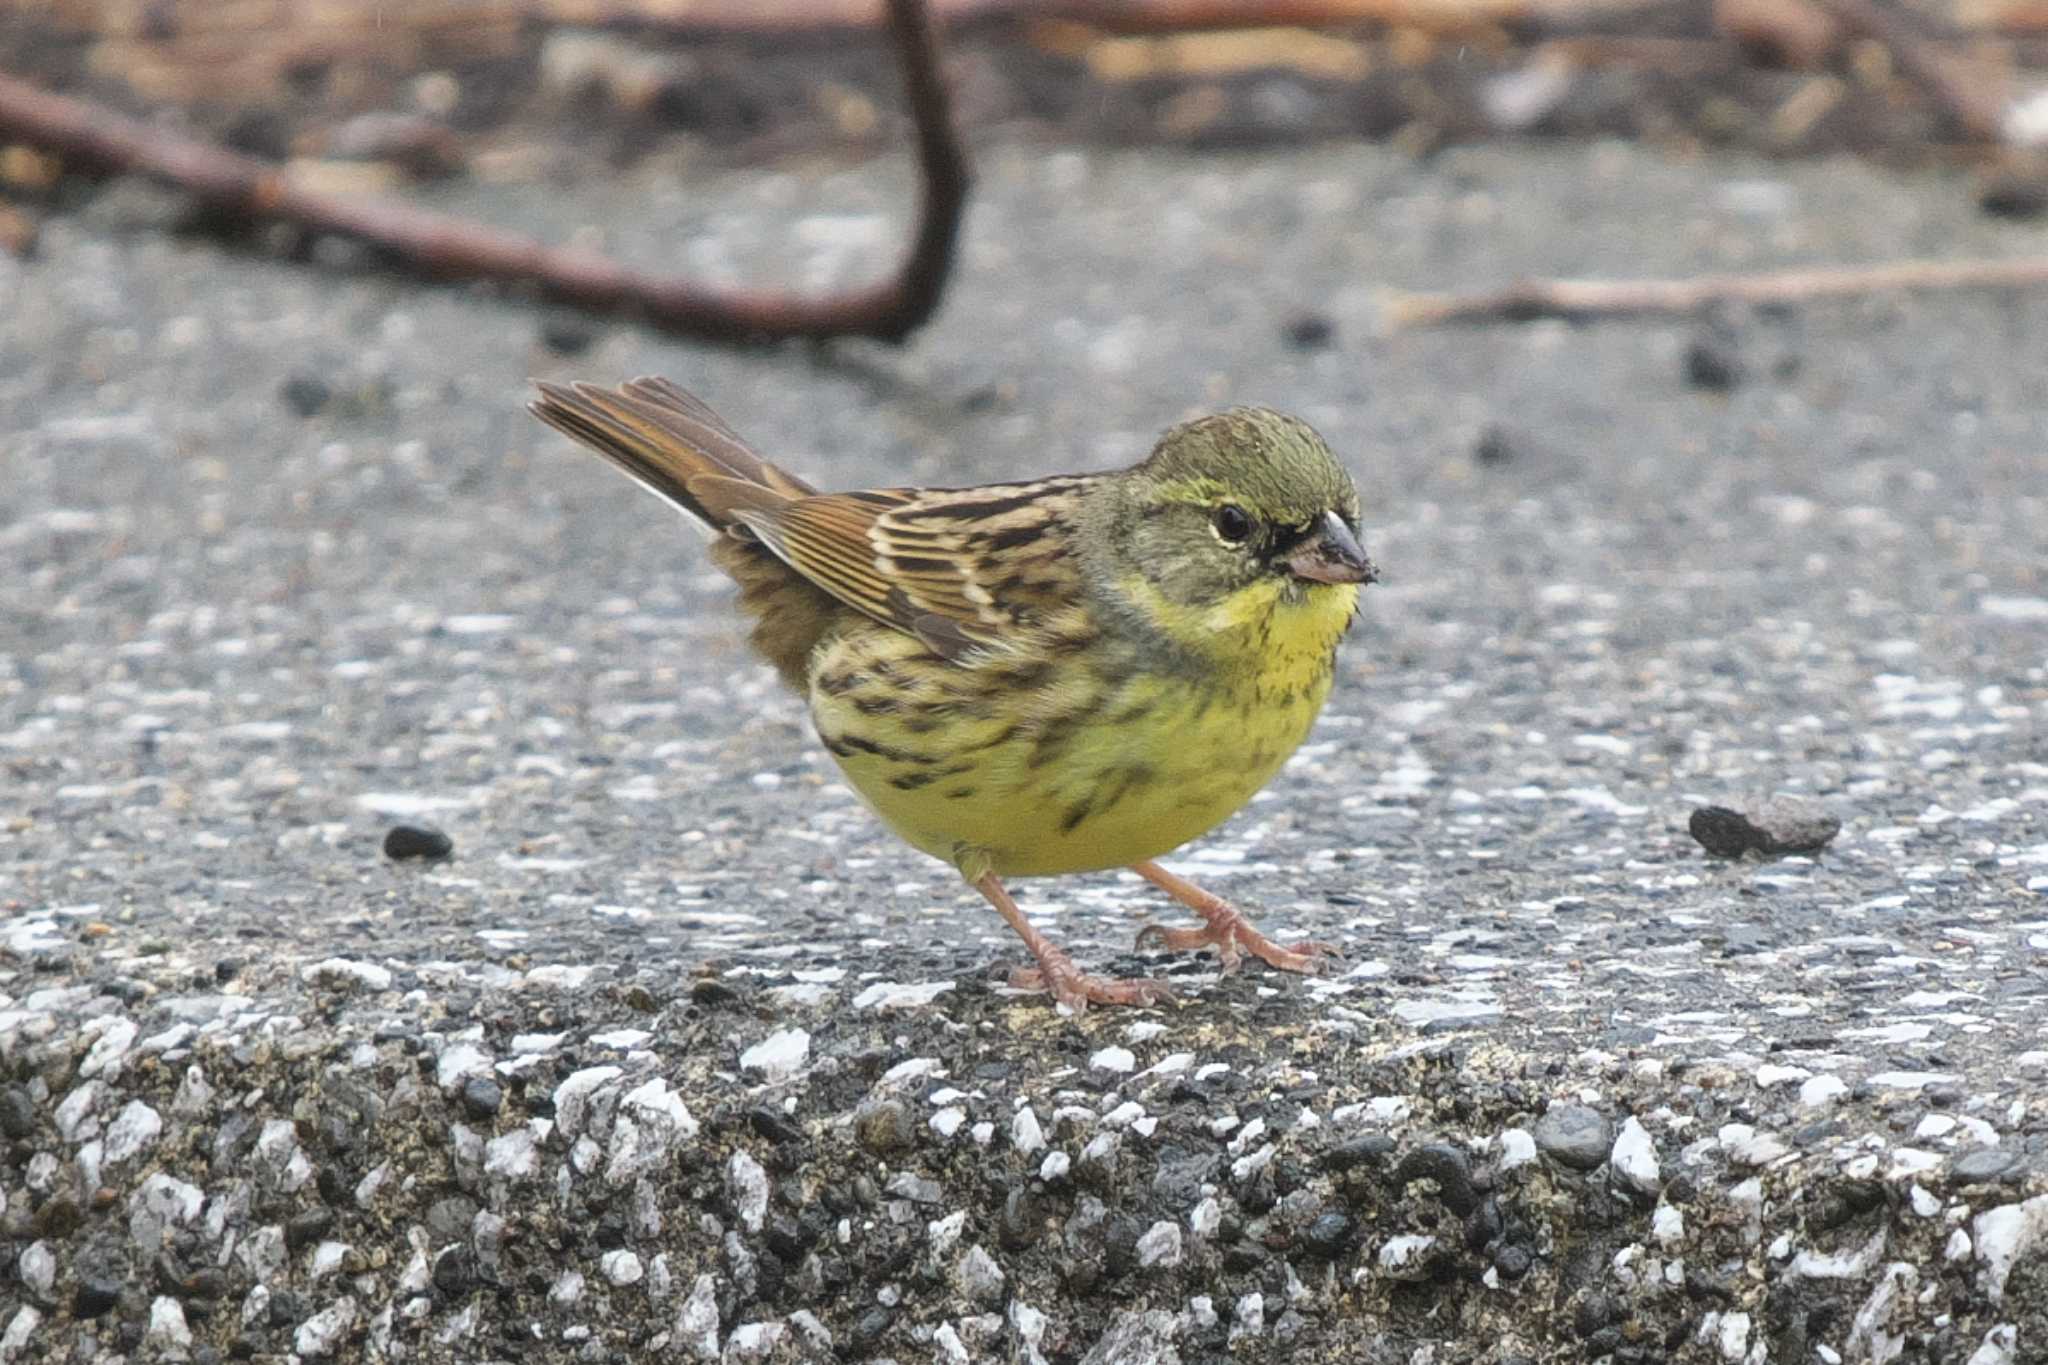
845	746
1133	713
1075	814
1137	775
910	782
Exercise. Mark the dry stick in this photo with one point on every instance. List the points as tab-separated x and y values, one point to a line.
437	245
1971	106
1534	299
1123	16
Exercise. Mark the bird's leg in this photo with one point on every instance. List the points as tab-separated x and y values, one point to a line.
1224	928
1056	972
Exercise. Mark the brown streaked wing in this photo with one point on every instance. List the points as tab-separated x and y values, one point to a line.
961	569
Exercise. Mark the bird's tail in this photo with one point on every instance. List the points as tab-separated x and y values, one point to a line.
670	443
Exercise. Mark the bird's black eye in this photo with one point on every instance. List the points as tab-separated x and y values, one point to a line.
1233	523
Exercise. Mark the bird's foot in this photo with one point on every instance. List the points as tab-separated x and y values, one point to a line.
1232	935
1077	990
1225	929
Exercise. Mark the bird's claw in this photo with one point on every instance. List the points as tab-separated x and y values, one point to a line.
1077	990
1232	935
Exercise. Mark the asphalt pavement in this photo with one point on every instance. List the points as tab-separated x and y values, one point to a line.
681	1052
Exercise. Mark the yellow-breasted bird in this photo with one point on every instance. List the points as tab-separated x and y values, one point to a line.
1026	679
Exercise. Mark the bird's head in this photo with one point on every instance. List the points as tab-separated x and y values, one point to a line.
1244	511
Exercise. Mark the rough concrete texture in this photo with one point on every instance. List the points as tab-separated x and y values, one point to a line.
679	1056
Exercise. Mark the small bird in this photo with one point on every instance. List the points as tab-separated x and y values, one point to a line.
1029	679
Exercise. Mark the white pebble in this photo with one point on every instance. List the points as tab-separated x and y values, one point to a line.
167	1331
1634	1157
748	1184
1113	1058
1025	1134
1517	1148
1160	1245
135	1129
779	1056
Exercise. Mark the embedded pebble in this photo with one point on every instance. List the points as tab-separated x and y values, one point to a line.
1160	1246
779	1056
977	1277
1118	1059
1406	1257
747	1185
37	1267
167	1331
1574	1135
134	1130
2005	1234
1634	1157
895	995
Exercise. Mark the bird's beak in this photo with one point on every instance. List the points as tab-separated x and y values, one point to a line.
1332	555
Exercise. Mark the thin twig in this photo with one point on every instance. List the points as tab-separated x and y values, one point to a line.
1972	106
1583	299
243	188
1121	16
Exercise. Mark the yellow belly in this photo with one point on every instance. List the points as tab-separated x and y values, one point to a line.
1075	771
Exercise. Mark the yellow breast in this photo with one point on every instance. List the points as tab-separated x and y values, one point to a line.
1032	765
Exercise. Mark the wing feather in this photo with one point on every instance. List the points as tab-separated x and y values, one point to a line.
965	570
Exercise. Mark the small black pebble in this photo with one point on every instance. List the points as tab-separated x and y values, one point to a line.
17	1112
1726	833
1512	1261
1496	445
1711	362
410	841
453	1273
305	394
709	991
307	1228
225	969
567	333
1331	1235
96	1294
482	1097
871	1327
1372	1149
2019	190
773	1125
1310	332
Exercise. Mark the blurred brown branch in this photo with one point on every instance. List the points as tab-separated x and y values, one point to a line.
1530	300
244	189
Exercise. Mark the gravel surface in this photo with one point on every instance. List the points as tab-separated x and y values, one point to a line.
668	1048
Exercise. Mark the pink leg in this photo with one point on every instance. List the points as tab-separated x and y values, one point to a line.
1224	929
1056	972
